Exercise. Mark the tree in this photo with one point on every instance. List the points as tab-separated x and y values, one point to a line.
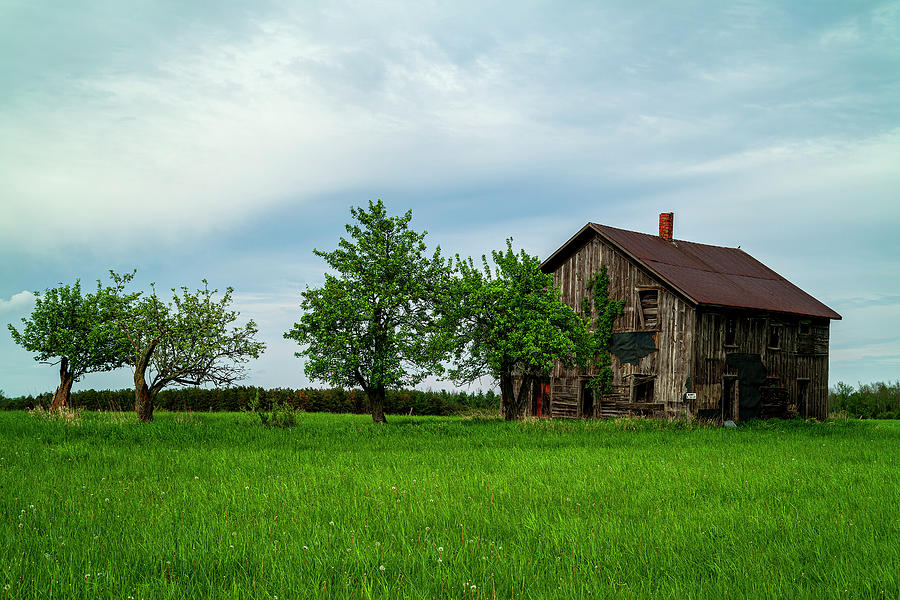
75	331
189	341
511	324
372	323
597	304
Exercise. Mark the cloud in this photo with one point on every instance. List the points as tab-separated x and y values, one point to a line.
866	301
195	135
17	303
207	137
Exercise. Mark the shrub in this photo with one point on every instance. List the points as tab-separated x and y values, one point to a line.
278	413
878	400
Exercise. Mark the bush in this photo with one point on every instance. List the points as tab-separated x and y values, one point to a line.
281	413
869	401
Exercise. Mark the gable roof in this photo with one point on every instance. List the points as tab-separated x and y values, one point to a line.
704	274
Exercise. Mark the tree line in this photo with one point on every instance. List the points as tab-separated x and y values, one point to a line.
879	400
240	398
389	314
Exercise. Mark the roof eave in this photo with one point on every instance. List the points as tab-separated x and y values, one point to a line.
833	316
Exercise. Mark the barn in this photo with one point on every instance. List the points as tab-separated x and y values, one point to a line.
707	332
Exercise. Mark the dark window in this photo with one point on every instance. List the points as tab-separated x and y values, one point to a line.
774	337
649	300
805	328
730	331
643	392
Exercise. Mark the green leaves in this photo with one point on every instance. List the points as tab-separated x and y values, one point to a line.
597	302
188	341
373	322
66	323
196	341
510	322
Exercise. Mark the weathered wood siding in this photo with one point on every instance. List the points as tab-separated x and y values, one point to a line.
801	358
669	367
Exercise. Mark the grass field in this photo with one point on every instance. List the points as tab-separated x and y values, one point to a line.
215	506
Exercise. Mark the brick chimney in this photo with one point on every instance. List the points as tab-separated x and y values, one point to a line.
666	221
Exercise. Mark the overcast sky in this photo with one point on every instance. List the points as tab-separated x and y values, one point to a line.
226	141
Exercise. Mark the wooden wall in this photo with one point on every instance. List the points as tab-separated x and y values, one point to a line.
802	355
668	367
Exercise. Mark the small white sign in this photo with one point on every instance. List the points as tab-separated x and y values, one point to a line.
690	396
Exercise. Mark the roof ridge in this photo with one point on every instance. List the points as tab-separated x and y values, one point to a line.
673	240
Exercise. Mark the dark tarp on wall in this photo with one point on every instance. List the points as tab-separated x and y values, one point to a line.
632	346
751	375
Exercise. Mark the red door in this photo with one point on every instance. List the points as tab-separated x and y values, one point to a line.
541	391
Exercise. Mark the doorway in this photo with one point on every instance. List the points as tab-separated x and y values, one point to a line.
540	398
587	400
729	387
803	398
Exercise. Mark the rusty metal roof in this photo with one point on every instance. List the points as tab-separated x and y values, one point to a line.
704	274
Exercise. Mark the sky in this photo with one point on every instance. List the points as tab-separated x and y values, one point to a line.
227	140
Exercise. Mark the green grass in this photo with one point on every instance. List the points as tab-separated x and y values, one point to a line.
215	506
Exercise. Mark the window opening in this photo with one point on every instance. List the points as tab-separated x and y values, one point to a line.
774	337
649	301
730	331
642	389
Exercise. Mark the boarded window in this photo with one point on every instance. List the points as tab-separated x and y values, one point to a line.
649	308
805	343
820	339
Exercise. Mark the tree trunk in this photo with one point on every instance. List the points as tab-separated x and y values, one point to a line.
64	391
143	399
506	395
376	399
512	403
143	395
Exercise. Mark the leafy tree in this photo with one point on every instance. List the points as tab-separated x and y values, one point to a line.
372	323
73	330
597	304
510	323
189	341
